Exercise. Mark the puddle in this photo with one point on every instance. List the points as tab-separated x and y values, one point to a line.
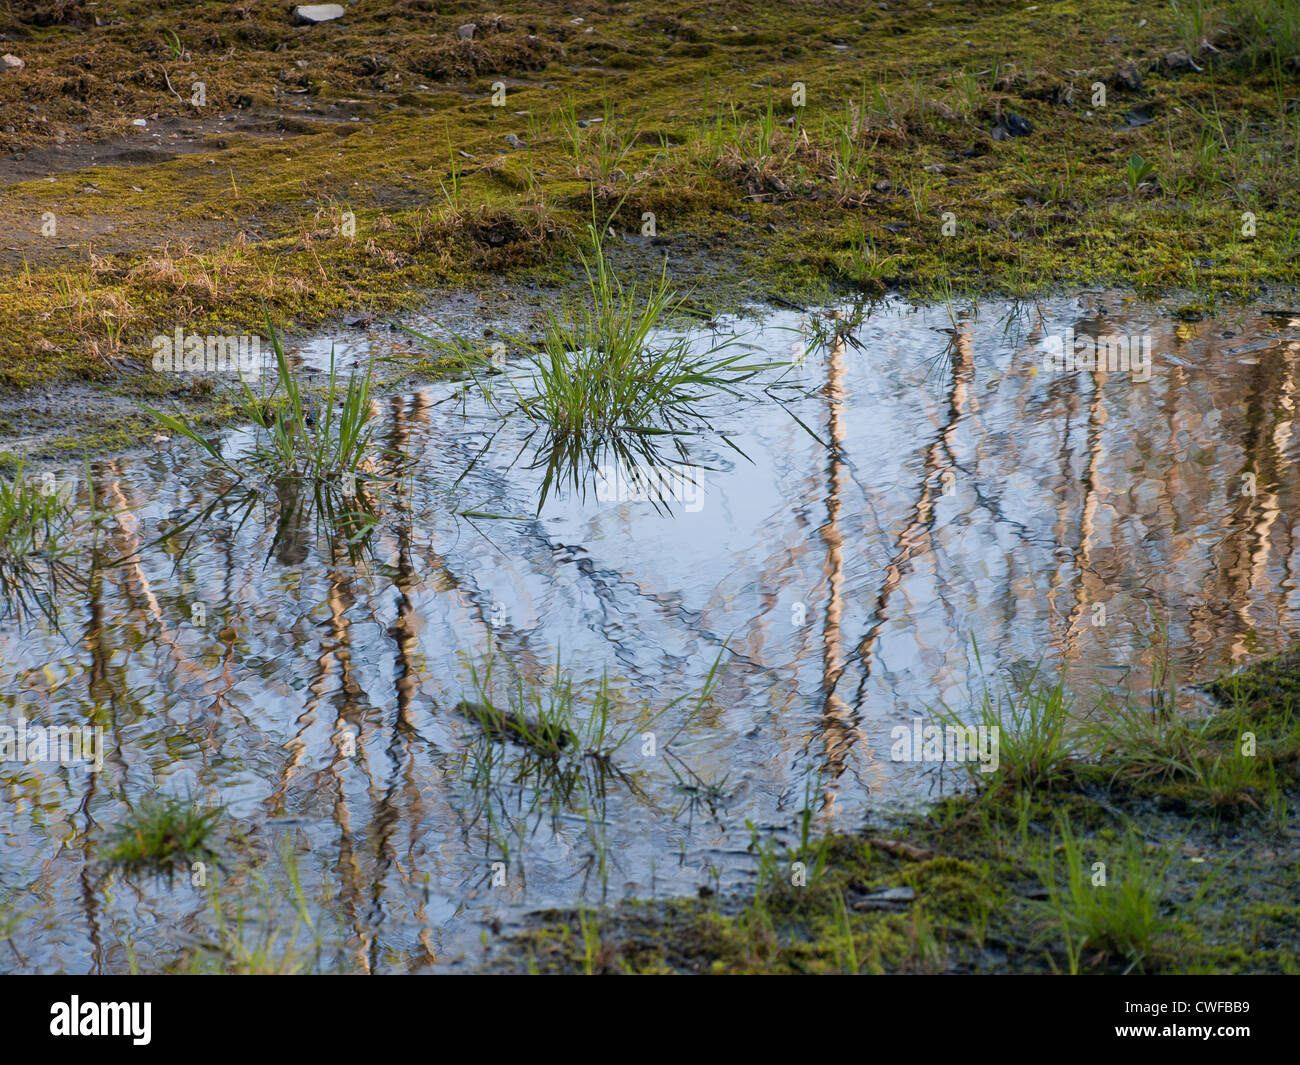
845	536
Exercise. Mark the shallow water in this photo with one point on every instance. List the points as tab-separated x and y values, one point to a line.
860	528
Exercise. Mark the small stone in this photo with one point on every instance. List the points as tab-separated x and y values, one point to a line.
883	186
1129	76
10	63
894	894
890	898
139	122
466	32
1017	125
1178	60
514	142
310	14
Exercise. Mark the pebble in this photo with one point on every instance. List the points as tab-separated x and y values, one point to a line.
1017	125
1129	75
310	14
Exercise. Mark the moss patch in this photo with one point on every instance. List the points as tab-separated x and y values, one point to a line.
362	163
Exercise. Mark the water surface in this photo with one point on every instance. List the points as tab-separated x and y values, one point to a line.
854	528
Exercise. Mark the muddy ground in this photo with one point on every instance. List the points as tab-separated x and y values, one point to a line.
190	164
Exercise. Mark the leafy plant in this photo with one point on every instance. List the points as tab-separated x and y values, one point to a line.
1137	172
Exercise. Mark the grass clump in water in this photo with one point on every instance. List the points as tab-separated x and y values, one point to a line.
550	751
328	442
546	720
247	947
34	522
559	720
1037	747
161	835
315	451
261	924
602	368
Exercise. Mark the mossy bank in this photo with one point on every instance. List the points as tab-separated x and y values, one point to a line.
185	164
1148	842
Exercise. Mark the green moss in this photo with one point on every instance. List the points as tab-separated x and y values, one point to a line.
256	212
1266	694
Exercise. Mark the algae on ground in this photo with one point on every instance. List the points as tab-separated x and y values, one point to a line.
362	163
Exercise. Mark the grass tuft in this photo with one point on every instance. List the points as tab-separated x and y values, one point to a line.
1037	747
35	519
1115	911
162	835
604	368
